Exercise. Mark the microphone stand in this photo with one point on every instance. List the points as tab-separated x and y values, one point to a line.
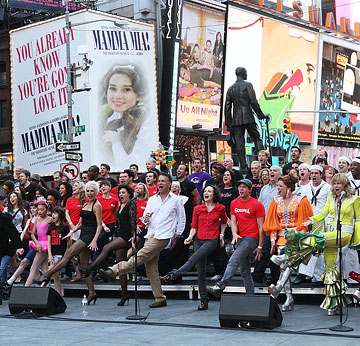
340	327
136	316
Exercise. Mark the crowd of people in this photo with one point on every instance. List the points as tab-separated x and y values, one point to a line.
282	219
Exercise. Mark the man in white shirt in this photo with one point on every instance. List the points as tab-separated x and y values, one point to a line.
165	217
267	194
319	193
344	164
303	186
320	190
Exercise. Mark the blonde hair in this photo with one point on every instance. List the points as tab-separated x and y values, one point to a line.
82	194
92	184
342	179
146	192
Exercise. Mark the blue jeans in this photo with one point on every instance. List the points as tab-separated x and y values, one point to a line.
4	262
241	257
203	248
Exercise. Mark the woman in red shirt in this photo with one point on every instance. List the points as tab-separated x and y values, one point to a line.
205	225
73	207
109	206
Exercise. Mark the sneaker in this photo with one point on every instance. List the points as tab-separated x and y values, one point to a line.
216	277
215	290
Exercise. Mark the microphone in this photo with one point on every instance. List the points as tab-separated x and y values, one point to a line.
135	196
342	194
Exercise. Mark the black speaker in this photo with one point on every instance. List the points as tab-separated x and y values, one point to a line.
256	310
42	300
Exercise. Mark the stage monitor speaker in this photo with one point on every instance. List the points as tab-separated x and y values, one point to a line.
41	300
255	310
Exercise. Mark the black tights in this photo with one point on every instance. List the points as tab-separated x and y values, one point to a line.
117	244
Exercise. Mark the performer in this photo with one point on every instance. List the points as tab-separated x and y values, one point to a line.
125	224
247	218
205	225
239	105
302	246
165	216
91	226
287	212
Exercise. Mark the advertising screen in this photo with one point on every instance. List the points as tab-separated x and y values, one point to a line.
281	61
122	83
340	93
200	69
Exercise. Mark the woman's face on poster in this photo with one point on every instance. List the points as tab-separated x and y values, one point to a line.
120	93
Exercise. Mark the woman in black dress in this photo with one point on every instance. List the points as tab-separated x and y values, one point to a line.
91	226
124	227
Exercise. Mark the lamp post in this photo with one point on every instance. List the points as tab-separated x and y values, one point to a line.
69	91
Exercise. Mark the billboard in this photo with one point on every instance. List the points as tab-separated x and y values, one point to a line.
349	9
122	78
200	67
47	5
340	93
281	61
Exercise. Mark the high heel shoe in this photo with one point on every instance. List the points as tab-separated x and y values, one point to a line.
92	298
123	300
43	280
289	303
85	272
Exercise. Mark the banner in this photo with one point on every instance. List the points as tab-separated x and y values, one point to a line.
120	110
281	61
340	93
200	67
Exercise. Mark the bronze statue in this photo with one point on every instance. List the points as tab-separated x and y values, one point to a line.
239	106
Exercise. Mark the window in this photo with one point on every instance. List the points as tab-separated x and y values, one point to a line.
2	73
3	114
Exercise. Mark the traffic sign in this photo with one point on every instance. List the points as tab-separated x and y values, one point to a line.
78	129
63	136
71	156
62	147
72	170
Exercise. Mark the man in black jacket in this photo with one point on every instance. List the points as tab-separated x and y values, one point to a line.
7	248
239	106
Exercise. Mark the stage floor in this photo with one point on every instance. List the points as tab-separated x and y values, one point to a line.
180	323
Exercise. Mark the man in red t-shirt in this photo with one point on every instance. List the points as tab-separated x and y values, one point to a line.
247	218
151	179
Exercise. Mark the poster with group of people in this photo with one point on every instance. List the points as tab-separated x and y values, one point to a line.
340	93
200	66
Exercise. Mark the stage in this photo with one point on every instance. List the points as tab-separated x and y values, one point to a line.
180	323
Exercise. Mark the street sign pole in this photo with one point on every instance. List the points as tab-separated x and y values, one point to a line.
68	66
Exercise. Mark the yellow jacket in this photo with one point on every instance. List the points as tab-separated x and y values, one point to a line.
349	216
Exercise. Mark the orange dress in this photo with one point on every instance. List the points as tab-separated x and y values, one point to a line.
280	218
